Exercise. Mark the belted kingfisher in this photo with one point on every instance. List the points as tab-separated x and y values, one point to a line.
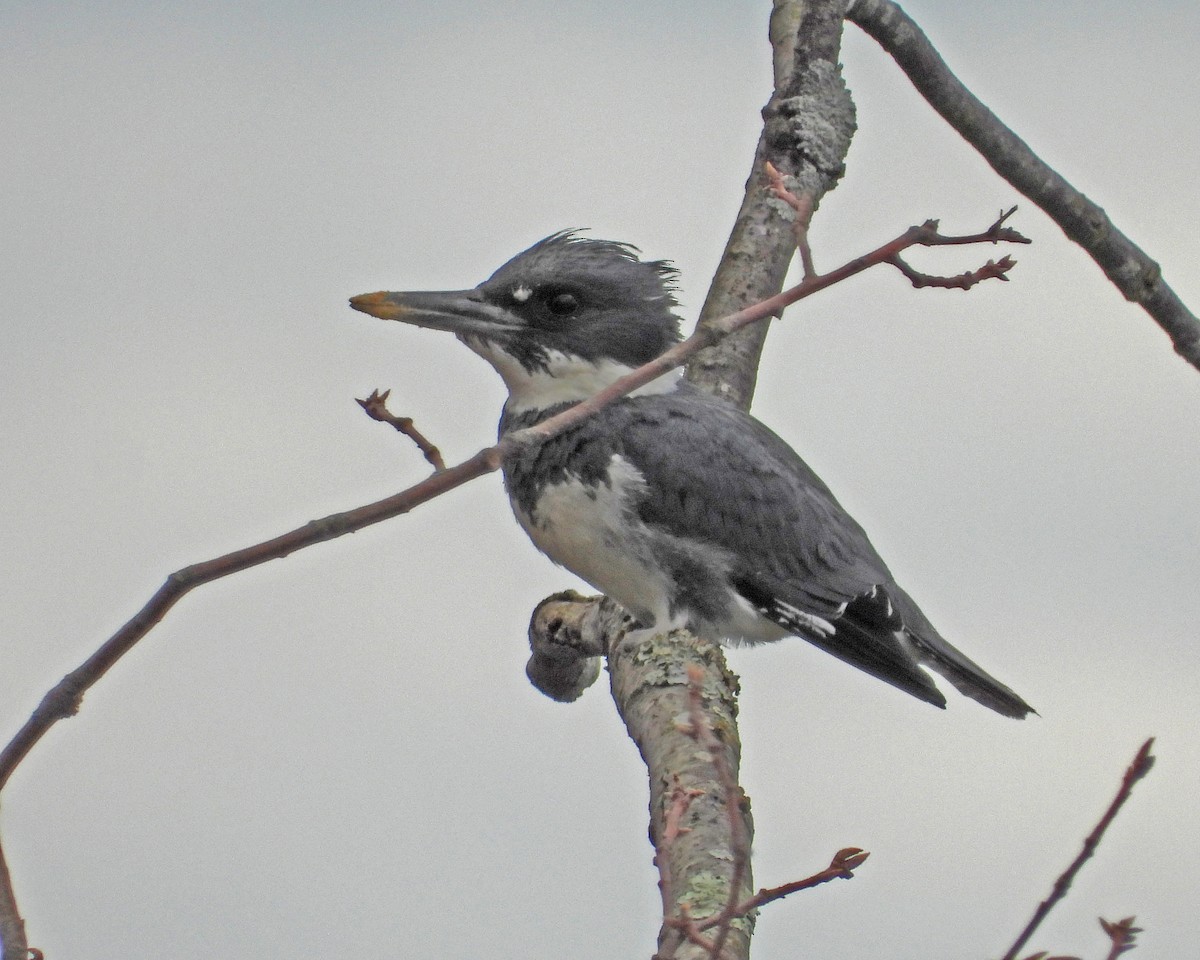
677	504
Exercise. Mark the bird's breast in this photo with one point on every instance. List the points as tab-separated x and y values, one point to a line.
590	526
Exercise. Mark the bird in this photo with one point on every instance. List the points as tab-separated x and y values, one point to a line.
677	504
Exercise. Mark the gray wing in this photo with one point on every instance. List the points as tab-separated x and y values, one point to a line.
744	490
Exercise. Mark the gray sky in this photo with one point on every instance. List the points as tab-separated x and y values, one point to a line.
338	752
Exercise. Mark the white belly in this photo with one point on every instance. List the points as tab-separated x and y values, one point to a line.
594	533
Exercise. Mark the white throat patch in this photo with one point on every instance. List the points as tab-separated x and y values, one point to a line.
565	379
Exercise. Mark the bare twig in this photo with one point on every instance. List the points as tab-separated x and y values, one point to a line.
996	233
1137	276
734	797
803	206
844	862
1138	768
64	699
925	235
992	270
1122	933
376	407
841	867
12	927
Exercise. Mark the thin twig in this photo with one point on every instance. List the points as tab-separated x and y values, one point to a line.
681	798
802	206
376	407
841	867
1137	769
12	927
992	270
64	699
1122	933
843	864
739	842
1131	271
924	235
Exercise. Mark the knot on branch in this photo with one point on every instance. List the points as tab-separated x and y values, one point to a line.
812	127
567	639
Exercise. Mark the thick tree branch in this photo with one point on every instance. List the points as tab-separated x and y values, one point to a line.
807	127
689	817
567	634
1124	263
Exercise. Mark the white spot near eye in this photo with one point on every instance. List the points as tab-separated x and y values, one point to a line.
521	293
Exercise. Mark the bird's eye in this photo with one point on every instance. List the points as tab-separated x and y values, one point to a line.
562	304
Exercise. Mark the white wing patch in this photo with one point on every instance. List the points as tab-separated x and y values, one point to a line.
800	621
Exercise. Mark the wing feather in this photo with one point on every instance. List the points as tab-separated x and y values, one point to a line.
799	554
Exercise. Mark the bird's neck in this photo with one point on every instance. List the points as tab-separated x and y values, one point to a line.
558	380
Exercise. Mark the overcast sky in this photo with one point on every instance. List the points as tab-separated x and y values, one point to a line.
338	753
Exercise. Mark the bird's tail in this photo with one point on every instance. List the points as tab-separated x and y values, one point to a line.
970	679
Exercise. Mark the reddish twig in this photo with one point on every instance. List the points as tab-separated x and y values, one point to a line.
841	867
12	927
64	699
681	799
802	206
739	842
1137	769
1122	933
992	270
687	925
844	862
376	407
925	235
996	233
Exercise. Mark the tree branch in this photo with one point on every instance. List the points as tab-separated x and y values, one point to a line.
376	407
1137	769
807	127
1122	934
12	927
1124	263
689	817
64	699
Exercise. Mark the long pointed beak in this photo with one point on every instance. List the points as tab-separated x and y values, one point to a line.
458	311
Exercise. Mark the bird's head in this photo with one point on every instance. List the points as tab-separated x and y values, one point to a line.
558	321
